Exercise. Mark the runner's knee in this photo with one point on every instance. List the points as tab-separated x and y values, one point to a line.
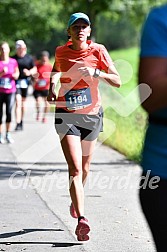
74	171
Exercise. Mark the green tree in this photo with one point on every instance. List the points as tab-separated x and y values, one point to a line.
90	7
27	19
44	22
115	9
116	33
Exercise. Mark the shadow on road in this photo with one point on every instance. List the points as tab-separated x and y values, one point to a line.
25	231
54	244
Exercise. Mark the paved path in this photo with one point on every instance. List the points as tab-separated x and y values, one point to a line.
34	213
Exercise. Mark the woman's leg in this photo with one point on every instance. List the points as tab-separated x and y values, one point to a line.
71	146
38	102
10	100
87	152
1	110
46	107
45	110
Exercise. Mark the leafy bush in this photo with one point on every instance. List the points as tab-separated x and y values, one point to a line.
124	118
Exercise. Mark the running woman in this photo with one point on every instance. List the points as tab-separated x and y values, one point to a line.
79	115
9	72
41	84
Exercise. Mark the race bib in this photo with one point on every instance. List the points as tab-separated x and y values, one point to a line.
22	83
5	83
42	83
78	99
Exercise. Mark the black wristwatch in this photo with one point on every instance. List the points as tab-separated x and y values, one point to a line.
96	73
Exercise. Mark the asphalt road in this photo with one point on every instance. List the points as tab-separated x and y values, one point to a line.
34	212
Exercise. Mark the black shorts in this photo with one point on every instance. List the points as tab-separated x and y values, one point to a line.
40	93
86	126
22	91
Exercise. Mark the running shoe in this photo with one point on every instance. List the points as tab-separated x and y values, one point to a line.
9	139
44	120
83	237
2	141
82	230
73	212
19	126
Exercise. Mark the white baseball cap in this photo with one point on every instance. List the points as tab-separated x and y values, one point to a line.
20	44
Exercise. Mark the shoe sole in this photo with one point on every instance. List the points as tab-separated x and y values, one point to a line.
18	129
82	229
10	142
83	238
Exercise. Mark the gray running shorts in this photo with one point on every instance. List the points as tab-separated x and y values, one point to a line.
85	126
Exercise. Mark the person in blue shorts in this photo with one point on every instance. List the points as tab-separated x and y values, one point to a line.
153	72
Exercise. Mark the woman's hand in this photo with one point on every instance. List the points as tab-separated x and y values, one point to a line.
4	71
16	74
51	98
86	71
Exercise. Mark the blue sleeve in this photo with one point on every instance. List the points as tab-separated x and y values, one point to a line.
154	34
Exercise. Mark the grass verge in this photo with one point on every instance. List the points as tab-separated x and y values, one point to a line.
124	118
